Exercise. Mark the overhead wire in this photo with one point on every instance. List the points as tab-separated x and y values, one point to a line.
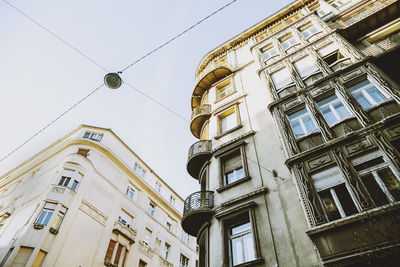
178	35
52	122
55	35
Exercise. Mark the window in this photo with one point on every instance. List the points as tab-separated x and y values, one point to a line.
59	218
147	236
308	30
39	258
67	175
232	167
151	209
306	66
115	254
224	89
169	226
301	123
125	219
334	194
241	242
333	110
227	120
46	213
157	187
93	136
139	170
269	52
83	152
288	41
379	180
185	237
130	192
166	250
184	261
172	200
333	57
22	257
367	94
281	78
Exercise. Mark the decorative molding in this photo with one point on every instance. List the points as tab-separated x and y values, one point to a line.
93	212
286	132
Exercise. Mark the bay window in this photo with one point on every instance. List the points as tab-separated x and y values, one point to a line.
281	78
306	66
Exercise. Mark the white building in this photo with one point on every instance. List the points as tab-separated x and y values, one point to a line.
89	200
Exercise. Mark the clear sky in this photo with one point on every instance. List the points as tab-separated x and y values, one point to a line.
41	77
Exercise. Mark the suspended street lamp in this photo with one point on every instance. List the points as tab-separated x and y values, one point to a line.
112	80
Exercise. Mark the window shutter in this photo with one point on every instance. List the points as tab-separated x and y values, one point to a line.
22	257
327	179
232	163
326	50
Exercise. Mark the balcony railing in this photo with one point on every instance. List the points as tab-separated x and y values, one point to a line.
197	209
199	116
199	153
125	231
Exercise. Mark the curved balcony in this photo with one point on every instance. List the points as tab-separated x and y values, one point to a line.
199	116
197	210
199	153
212	73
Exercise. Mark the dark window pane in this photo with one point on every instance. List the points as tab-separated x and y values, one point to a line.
391	182
329	205
345	200
374	190
369	164
61	181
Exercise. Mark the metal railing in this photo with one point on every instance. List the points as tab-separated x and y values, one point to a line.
204	109
201	200
202	146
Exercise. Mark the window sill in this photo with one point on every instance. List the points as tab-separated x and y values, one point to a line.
377	105
53	231
341	121
250	263
225	187
228	131
301	138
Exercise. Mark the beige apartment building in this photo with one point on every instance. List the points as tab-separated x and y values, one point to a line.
298	157
89	200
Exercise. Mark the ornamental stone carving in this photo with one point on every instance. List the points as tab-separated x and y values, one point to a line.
385	146
286	132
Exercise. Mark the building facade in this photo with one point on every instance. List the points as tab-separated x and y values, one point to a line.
299	154
89	200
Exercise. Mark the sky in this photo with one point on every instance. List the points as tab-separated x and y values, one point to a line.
41	77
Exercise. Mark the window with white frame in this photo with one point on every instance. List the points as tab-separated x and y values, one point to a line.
240	240
46	213
151	209
139	170
228	120
333	110
232	167
367	94
93	136
131	193
147	236
157	187
306	66
334	194
185	237
224	89
308	30
302	123
281	78
269	52
381	182
183	261
288	41
172	200
166	250
125	218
